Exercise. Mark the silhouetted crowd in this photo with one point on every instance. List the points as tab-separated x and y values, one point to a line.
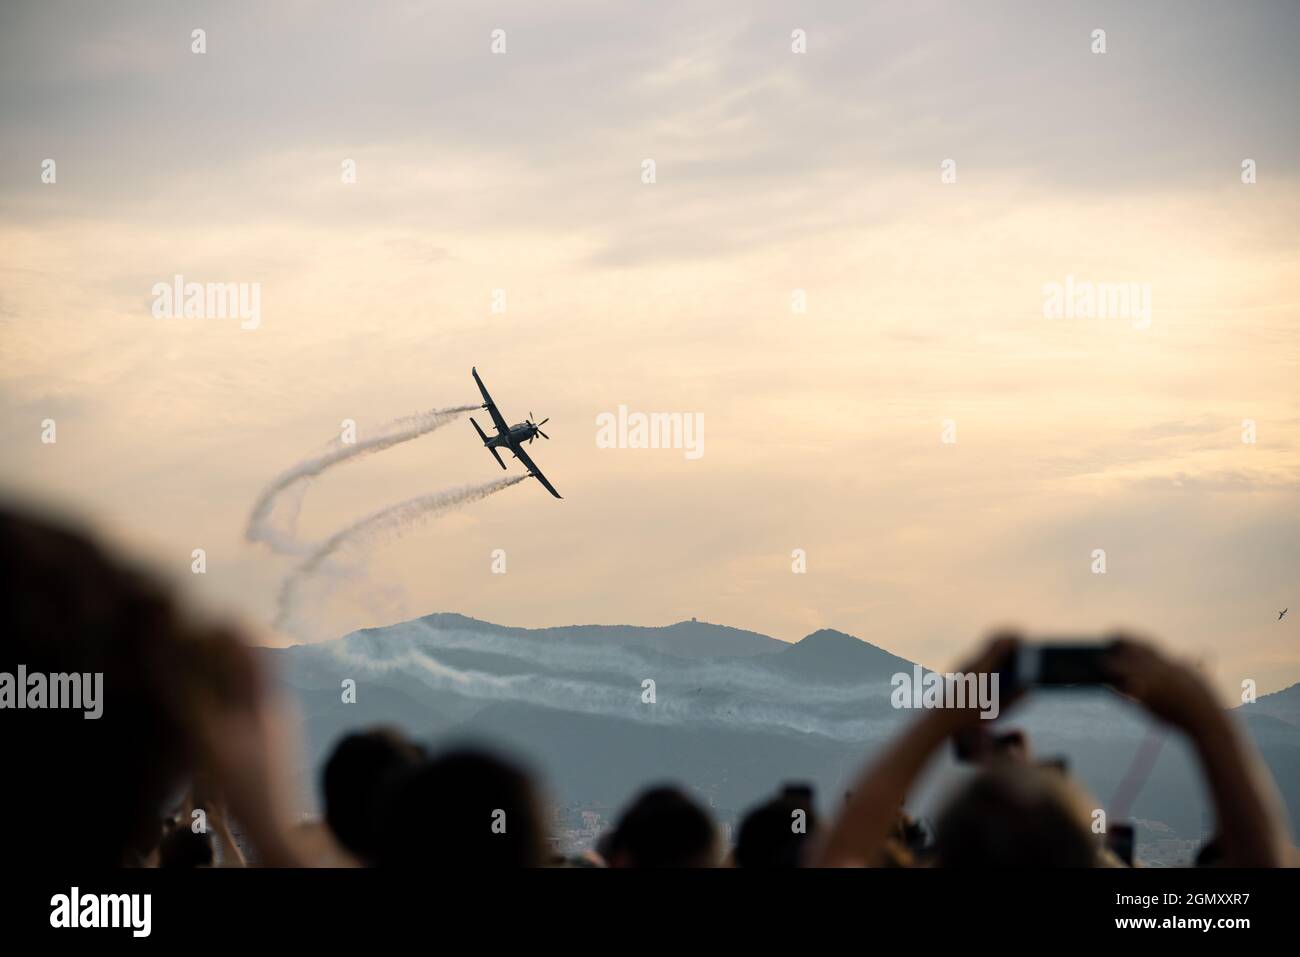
187	766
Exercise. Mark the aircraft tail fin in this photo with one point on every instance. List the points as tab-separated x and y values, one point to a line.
485	443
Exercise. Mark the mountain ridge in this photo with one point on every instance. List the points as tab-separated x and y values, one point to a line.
689	628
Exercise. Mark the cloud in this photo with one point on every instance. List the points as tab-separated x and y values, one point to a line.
776	172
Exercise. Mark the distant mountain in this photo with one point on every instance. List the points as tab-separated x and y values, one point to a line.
685	639
832	656
602	710
1281	705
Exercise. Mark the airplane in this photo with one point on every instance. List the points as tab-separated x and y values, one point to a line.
511	437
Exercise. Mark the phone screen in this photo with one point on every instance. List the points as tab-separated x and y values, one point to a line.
1073	665
1120	840
1062	664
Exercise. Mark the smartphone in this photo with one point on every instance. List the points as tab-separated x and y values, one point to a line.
971	744
1061	663
1120	840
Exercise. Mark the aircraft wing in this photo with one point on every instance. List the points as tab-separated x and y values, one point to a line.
491	406
533	470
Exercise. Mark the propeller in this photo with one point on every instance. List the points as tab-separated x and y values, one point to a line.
537	426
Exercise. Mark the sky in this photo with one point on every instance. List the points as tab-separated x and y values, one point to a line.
828	430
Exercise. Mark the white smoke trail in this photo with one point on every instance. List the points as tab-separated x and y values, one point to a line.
608	698
752	680
297	478
390	522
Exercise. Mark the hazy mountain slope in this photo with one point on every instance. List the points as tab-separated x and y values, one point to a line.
685	639
586	759
1281	705
832	656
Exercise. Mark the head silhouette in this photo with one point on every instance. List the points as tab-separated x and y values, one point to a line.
776	833
1016	816
354	780
73	609
463	808
663	828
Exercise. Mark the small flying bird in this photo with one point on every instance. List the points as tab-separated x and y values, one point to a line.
1282	614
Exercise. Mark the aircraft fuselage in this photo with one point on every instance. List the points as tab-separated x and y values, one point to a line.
519	433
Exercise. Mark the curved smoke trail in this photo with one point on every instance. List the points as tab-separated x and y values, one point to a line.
390	522
295	479
606	697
